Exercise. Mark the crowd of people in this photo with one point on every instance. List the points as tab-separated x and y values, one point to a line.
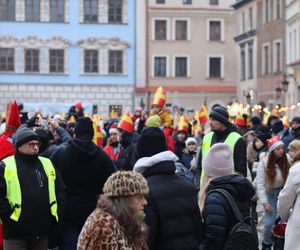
153	181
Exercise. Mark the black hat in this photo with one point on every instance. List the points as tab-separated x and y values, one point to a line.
25	135
255	120
84	128
263	133
220	114
296	119
151	141
277	126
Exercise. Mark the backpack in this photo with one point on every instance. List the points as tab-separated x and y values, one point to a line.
243	235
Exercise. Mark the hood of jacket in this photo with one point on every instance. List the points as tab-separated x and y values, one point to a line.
83	149
128	138
237	185
147	162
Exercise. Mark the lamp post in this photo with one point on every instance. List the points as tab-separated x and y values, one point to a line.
278	91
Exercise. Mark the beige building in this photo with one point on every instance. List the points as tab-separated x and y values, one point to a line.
271	53
188	49
246	39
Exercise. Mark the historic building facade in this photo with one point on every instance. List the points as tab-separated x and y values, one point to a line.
68	51
189	50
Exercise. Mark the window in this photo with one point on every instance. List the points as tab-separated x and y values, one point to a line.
160	66
277	14
243	22
243	63
187	1
213	2
215	31
181	66
115	11
115	61
57	10
250	18
33	10
56	59
7	10
266	11
181	30
214	67
91	61
277	57
160	1
32	60
266	55
250	60
7	60
160	30
90	11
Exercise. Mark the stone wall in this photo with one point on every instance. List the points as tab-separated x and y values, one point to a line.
100	95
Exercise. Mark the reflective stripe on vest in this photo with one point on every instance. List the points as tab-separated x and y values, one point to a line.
231	140
13	189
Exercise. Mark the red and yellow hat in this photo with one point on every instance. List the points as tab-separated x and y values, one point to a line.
126	123
183	124
160	97
240	121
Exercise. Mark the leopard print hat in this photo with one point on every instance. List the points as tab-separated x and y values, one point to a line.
125	183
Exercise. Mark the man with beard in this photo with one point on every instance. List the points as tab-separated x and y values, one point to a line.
31	197
223	131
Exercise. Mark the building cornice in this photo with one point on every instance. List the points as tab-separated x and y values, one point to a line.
204	88
241	3
244	36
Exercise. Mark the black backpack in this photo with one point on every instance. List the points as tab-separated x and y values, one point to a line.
243	235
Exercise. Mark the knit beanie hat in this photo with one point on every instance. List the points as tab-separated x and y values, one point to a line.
25	135
218	161
189	140
274	142
153	121
277	126
84	128
263	133
296	119
151	142
255	120
125	183
294	145
220	114
113	129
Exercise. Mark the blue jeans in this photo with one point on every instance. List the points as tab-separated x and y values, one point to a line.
270	217
69	237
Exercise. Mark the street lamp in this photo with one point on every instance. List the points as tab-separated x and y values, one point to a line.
278	91
142	104
285	82
248	98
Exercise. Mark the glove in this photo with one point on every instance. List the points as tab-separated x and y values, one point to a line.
32	121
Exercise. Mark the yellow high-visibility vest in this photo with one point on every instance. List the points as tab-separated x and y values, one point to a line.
13	188
231	140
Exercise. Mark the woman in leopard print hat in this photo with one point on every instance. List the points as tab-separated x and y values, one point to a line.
117	221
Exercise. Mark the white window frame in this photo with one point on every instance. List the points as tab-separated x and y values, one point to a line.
167	65
280	10
208	64
264	13
208	28
168	27
174	65
264	71
275	70
188	20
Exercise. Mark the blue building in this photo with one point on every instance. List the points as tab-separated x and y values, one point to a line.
58	51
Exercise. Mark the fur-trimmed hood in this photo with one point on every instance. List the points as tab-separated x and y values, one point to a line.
146	162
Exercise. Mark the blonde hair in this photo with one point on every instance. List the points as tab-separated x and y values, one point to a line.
203	191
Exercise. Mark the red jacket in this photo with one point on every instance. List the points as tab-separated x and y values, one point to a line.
168	132
109	150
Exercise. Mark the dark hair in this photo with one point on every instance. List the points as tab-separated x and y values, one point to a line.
121	209
283	164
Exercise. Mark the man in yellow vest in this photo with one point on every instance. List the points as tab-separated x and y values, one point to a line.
224	131
31	197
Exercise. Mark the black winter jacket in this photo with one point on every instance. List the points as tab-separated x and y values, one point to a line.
172	213
218	215
35	219
127	157
240	150
84	168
